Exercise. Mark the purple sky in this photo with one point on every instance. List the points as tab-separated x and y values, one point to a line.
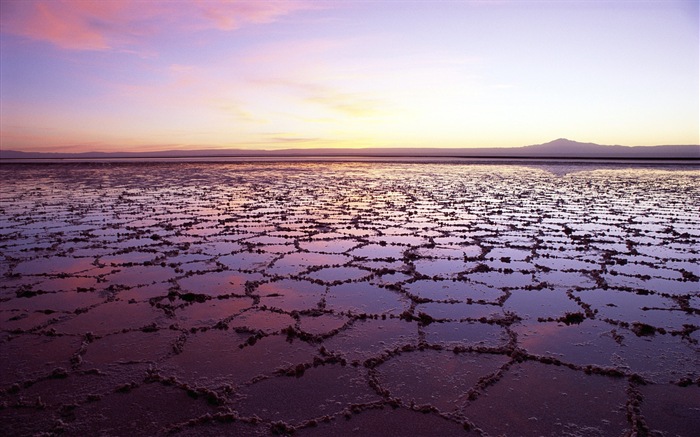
147	75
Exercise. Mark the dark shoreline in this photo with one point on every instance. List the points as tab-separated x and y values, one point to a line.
457	159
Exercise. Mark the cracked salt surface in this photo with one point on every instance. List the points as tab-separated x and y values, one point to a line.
322	299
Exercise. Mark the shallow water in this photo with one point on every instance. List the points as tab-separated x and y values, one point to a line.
349	298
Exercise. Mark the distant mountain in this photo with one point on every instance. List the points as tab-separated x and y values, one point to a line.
560	148
570	149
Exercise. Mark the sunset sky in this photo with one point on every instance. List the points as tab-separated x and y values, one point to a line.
147	75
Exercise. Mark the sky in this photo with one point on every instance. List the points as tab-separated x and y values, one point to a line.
144	75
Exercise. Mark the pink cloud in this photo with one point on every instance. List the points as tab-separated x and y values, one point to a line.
230	15
104	25
70	25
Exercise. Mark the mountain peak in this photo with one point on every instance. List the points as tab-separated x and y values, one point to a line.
565	145
565	141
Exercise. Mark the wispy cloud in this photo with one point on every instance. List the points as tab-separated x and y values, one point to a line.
281	139
105	25
350	104
75	25
230	15
355	104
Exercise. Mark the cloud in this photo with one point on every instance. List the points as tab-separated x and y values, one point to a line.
70	25
280	139
230	15
105	25
234	110
352	104
355	104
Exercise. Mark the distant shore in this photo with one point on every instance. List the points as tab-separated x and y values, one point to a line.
686	161
561	148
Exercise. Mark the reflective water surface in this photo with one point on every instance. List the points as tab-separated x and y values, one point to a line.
349	298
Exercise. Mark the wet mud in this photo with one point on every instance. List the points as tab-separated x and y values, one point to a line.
321	299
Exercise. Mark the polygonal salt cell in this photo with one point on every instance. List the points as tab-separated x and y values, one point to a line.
290	294
558	279
221	426
299	262
290	235
452	240
131	241
551	400
357	232
670	409
278	249
660	357
627	306
129	347
73	388
390	279
319	391
211	312
510	265
68	283
458	311
590	342
535	304
27	421
663	252
367	338
216	357
135	276
30	356
324	237
365	298
458	252
266	239
63	301
329	246
502	280
143	292
247	261
216	283
201	231
255	320
631	269
442	268
386	420
149	409
438	378
462	291
560	261
378	251
112	317
508	252
212	247
322	324
657	285
403	240
133	257
55	265
21	320
466	334
339	274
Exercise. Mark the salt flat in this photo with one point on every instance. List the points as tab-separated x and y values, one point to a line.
349	298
